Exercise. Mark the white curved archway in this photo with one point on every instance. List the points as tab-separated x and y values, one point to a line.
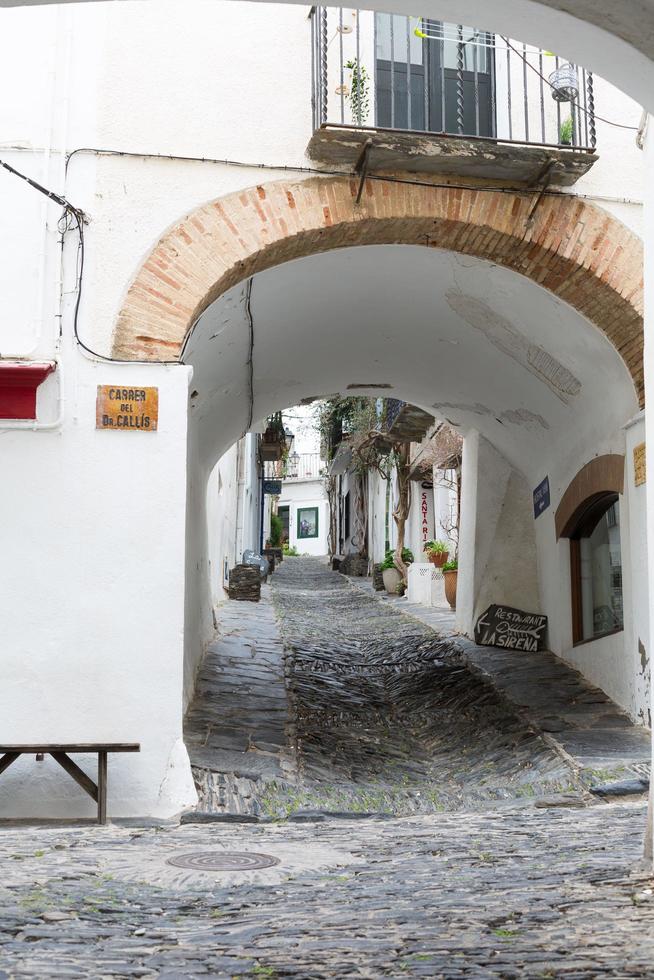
457	335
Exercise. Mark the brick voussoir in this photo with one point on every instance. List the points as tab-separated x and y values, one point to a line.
573	248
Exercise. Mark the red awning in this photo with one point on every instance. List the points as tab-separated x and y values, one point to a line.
18	383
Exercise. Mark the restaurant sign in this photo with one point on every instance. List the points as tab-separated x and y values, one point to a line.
513	629
127	408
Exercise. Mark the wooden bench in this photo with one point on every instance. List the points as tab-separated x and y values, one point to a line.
60	753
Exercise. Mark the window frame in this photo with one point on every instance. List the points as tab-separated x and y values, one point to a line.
306	537
587	517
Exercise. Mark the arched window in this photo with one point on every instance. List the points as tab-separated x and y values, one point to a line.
596	568
589	515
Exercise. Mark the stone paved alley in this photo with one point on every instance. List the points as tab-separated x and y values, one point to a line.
419	824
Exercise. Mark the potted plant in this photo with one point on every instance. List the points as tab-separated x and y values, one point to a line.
273	442
450	572
436	552
566	132
390	574
358	93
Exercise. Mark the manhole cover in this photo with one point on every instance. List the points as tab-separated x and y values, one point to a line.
223	861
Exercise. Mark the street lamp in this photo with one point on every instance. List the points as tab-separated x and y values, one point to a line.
293	464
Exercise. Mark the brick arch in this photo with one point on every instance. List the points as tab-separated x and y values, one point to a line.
574	249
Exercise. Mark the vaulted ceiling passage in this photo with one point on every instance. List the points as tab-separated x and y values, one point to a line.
474	343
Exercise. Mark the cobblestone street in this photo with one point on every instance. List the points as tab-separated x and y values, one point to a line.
415	824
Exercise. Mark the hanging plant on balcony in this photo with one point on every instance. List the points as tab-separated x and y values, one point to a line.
273	441
566	132
359	94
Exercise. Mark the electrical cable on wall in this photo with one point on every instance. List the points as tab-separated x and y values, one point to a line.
349	174
250	361
79	218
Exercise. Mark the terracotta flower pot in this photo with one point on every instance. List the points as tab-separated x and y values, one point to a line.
438	558
392	579
450	586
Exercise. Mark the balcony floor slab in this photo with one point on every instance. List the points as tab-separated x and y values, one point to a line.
431	153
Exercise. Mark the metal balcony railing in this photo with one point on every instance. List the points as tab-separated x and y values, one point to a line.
393	408
296	466
387	71
307	466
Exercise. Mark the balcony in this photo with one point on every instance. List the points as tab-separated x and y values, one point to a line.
417	95
296	466
405	422
273	442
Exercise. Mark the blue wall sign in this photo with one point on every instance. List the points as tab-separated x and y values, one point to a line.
542	497
272	486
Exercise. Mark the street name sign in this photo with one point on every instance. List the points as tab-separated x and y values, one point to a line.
513	629
123	409
542	497
640	470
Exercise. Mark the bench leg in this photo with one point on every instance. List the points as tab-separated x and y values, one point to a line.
102	787
77	774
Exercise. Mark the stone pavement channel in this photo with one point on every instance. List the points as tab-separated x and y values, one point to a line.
308	717
344	703
553	697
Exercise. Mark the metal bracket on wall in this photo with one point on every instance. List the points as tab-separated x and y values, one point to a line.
543	179
361	167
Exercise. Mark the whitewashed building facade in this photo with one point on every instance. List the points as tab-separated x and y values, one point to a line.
206	255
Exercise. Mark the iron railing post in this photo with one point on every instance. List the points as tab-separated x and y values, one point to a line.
591	110
324	80
459	82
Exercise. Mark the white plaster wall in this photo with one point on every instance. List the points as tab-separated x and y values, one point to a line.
92	587
636	581
506	539
620	663
220	524
617	180
445	508
250	506
232	512
506	556
377	516
176	73
214	70
306	493
497	549
222	517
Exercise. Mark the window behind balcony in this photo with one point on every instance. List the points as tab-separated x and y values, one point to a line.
420	81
